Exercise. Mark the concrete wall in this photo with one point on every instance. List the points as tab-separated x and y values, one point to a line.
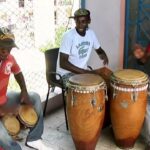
108	24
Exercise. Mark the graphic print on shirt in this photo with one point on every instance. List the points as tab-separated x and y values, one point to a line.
83	49
8	68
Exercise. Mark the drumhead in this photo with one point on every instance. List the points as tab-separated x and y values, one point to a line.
129	76
27	115
86	83
11	124
86	79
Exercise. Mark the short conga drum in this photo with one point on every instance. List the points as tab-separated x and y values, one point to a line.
128	105
85	109
27	115
12	124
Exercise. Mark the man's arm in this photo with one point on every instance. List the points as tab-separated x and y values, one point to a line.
101	53
65	64
24	94
20	80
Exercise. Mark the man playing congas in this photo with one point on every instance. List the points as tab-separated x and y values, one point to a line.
74	53
10	101
77	45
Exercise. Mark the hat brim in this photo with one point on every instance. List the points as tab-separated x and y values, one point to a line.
72	17
8	44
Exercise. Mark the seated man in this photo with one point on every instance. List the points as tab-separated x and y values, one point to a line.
10	101
76	47
139	59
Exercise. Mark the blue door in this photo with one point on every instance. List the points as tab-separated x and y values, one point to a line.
137	28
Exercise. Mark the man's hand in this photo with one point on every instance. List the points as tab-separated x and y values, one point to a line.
104	58
102	55
25	97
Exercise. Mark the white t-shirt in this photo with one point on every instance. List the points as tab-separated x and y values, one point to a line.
78	48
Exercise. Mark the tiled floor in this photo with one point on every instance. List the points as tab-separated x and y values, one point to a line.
56	136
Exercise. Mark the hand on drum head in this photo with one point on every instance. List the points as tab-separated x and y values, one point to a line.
9	110
25	98
104	72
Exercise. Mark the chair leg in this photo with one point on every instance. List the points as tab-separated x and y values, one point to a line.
44	111
64	102
53	89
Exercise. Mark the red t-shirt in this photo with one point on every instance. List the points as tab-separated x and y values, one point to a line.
7	67
148	48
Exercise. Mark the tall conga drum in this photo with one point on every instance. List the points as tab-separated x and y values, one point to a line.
128	105
85	109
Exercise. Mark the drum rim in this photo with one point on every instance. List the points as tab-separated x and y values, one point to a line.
86	74
86	89
117	80
26	122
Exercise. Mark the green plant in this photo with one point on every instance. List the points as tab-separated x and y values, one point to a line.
59	33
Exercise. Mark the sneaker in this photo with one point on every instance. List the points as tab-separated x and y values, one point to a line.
38	145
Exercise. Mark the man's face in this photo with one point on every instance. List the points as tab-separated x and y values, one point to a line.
138	53
4	52
82	23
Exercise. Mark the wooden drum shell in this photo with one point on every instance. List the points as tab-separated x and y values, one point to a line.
127	111
85	122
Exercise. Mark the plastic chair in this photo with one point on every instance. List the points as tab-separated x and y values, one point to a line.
51	56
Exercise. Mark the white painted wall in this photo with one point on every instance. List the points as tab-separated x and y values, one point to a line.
105	17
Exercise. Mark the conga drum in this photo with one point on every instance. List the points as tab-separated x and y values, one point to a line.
128	105
27	115
106	73
12	124
85	109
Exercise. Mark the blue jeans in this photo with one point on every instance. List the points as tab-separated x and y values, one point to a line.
35	133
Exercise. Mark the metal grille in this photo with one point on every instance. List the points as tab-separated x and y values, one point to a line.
38	26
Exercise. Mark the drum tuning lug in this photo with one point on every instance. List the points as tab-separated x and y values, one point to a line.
93	102
73	100
106	97
134	96
65	93
100	108
114	95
